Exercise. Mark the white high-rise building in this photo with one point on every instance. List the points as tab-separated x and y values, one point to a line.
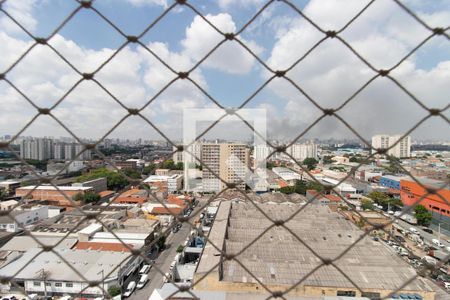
401	149
228	161
59	151
38	149
195	148
69	151
301	151
86	155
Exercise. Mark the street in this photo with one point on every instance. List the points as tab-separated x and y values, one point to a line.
426	236
164	260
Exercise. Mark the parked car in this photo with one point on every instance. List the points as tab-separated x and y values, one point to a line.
447	286
426	229
130	289
413	230
144	269
437	243
142	281
400	238
172	265
429	260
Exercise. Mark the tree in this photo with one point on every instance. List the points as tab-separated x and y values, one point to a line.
115	180
366	204
91	197
114	291
132	173
310	163
78	197
161	242
180	249
327	159
3	194
149	170
423	216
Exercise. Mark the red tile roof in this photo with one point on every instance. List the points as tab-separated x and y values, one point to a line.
163	211
116	247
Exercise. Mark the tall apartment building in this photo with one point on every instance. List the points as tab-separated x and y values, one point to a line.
302	151
69	151
383	141
195	148
39	149
229	161
86	155
59	150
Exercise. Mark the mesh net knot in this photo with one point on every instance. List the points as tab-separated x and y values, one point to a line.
183	75
328	111
135	252
278	222
277	294
47	248
2	76
41	41
231	185
94	283
327	261
181	2
280	73
381	151
90	146
45	180
229	36
86	3
434	111
281	148
229	256
438	30
132	38
133	111
383	72
88	76
331	33
44	111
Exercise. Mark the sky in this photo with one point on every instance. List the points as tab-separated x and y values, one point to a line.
279	36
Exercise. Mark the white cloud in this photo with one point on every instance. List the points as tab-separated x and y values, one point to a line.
229	57
225	4
21	11
331	73
138	3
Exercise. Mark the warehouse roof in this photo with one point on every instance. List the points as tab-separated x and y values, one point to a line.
88	263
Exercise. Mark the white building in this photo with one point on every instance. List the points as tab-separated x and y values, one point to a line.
228	161
184	156
174	182
38	149
20	217
302	151
69	151
383	141
59	150
86	155
286	174
46	272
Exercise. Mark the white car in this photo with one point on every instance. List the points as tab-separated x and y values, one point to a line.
144	269
437	243
413	230
447	286
142	281
130	289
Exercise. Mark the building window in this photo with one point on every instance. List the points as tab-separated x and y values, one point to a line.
36	283
69	284
58	284
346	293
48	284
373	296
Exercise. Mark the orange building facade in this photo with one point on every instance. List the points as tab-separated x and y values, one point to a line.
411	192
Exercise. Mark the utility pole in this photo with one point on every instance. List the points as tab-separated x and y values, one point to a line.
439	232
43	276
103	282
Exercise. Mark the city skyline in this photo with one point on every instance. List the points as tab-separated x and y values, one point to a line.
134	75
